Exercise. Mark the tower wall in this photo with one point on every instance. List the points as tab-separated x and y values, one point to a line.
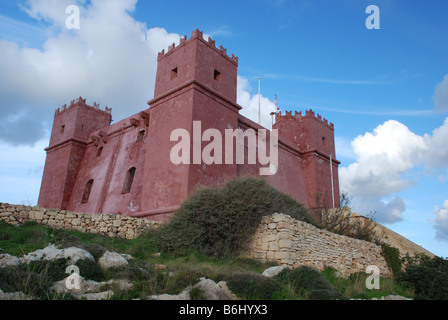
111	152
313	136
71	127
195	82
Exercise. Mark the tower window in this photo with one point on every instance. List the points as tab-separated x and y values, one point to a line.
324	141
141	135
174	73
217	75
99	152
129	179
63	129
86	195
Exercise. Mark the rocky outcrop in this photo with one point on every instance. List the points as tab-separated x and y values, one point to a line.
209	289
78	287
51	252
112	259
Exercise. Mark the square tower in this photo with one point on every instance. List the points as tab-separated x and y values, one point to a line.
72	127
195	82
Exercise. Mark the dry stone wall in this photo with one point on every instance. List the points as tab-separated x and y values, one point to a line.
104	224
279	237
295	243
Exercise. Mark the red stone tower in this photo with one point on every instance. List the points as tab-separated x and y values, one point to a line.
314	138
195	81
72	127
126	167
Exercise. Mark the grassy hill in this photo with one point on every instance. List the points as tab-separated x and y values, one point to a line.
155	273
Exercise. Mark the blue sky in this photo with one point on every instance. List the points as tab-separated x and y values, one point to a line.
386	90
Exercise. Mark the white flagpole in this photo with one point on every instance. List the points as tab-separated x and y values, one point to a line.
331	173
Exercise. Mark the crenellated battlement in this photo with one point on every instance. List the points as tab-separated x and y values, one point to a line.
197	34
81	101
309	114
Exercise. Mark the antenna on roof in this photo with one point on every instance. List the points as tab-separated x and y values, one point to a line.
276	110
259	101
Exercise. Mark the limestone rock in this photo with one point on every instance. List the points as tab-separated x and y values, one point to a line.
273	271
112	259
14	296
392	297
7	260
91	290
215	291
184	295
51	252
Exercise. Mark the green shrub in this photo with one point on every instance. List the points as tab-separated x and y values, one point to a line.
253	286
428	276
325	294
392	257
89	270
304	280
219	222
196	293
33	279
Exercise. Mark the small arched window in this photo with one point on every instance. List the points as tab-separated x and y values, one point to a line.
86	195
129	179
141	135
99	152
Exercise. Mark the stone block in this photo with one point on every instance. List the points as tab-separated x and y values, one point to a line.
280	255
284	235
38	215
116	223
71	215
284	243
272	226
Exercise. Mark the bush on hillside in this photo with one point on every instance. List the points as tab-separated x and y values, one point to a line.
428	276
392	257
305	280
253	286
34	279
219	222
340	220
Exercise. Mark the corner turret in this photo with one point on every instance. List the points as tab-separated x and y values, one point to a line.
72	127
309	132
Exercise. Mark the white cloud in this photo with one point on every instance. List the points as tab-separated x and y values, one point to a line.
441	95
111	59
383	160
441	221
437	153
380	210
21	170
